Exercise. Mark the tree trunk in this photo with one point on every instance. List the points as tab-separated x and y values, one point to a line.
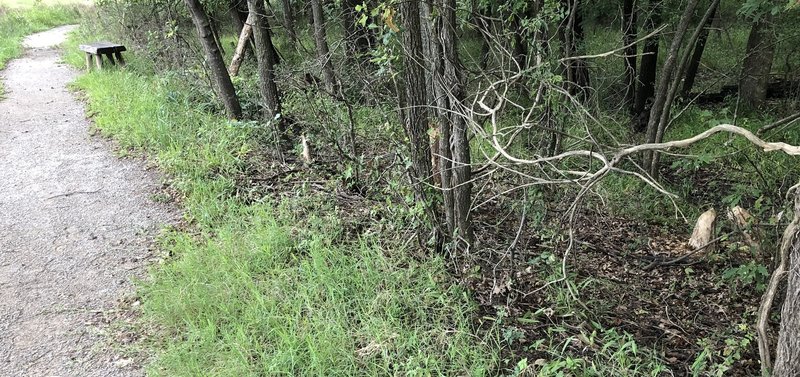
664	80
415	112
628	39
787	358
647	71
245	36
438	99
288	20
576	73
672	89
222	80
757	63
238	14
266	63
694	63
323	53
460	183
520	48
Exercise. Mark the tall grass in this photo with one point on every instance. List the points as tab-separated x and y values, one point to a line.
274	288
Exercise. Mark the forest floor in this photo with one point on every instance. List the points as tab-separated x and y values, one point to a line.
76	224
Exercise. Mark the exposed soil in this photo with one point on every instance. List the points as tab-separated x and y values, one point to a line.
76	225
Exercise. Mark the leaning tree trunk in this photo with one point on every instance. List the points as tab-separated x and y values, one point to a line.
672	90
757	63
664	82
647	71
266	62
323	53
787	358
694	63
219	73
629	39
245	38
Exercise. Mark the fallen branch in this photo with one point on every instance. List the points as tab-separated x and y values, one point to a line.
785	121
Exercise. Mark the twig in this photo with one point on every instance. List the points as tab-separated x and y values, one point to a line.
73	193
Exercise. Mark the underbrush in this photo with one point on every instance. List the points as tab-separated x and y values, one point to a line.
272	287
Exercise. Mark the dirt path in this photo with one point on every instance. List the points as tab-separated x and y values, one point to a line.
75	224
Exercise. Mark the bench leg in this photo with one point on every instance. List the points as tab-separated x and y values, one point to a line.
120	60
110	58
88	59
98	61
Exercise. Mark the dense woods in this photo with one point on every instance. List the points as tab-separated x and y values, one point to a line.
553	156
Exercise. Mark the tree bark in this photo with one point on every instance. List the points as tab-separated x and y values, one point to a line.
323	53
415	112
222	80
647	71
697	55
438	99
460	179
628	39
787	358
266	63
757	63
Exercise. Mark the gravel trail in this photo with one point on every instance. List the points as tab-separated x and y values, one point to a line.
76	224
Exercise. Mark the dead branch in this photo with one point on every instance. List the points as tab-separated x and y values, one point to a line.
785	121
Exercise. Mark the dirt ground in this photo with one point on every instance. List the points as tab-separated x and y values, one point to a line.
76	225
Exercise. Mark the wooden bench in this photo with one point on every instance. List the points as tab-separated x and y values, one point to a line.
98	49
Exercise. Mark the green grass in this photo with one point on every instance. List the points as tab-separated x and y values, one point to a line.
41	3
273	288
15	24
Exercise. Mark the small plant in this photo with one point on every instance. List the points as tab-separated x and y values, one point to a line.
751	273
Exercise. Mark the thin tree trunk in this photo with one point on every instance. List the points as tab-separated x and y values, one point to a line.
288	20
461	186
628	39
266	63
222	81
664	81
664	118
245	36
787	358
757	63
647	71
694	63
323	53
575	71
237	15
